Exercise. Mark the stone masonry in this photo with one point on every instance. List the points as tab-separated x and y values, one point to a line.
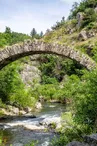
28	47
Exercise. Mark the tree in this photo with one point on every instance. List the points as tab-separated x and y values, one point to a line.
33	33
7	30
74	6
63	19
41	34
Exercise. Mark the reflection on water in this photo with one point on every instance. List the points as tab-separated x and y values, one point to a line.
19	136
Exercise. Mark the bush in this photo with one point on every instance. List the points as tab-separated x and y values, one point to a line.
83	94
12	89
33	143
75	133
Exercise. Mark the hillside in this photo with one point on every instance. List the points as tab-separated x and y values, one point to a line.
75	33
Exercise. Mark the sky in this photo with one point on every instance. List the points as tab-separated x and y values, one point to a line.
24	15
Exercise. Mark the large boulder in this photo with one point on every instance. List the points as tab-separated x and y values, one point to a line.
91	34
91	139
51	121
83	36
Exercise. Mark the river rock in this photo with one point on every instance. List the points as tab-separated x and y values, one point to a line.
17	144
34	127
27	109
51	121
13	110
21	112
38	105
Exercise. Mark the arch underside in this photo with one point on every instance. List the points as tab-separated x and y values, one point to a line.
15	52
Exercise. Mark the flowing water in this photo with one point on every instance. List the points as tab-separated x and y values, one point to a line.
19	131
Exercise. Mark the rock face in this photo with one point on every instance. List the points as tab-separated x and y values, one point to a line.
80	18
30	74
29	47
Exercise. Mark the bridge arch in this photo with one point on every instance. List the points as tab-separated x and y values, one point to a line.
28	47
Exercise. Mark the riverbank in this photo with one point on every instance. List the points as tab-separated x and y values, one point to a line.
11	110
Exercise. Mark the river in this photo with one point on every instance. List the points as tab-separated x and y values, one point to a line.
13	131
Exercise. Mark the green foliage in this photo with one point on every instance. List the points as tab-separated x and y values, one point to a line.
83	94
34	34
84	4
54	68
12	88
33	143
87	8
3	142
85	99
59	24
47	91
94	52
7	30
90	16
91	26
41	34
9	37
50	92
74	133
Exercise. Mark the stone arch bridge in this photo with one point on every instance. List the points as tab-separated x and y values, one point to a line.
28	47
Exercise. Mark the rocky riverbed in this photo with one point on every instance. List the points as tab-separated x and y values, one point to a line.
42	127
